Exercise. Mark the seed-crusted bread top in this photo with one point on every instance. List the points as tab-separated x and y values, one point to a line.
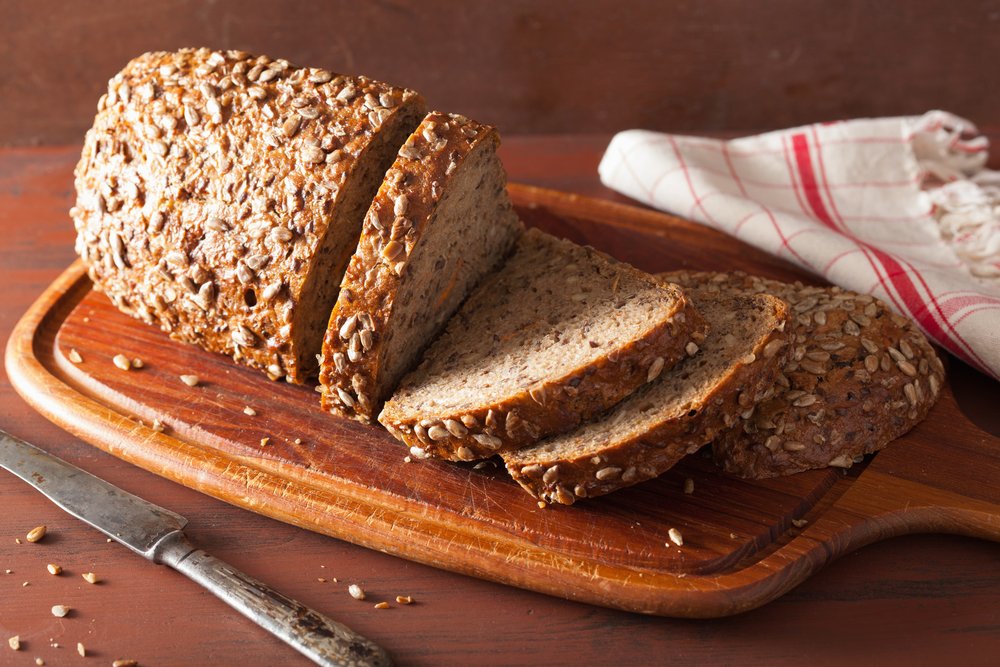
440	221
216	192
561	333
682	410
858	377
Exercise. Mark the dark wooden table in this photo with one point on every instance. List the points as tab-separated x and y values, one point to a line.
909	601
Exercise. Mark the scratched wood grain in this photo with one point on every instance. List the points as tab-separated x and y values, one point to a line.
350	481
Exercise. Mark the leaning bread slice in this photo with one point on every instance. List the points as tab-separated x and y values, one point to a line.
441	220
647	433
220	196
562	332
858	377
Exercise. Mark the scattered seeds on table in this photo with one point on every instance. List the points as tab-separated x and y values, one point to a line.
8	571
158	426
381	605
81	649
90	577
356	592
264	441
60	610
75	357
54	569
542	505
190	380
404	599
676	537
137	363
689	486
250	412
15	643
124	663
298	441
39	662
25	583
17	539
35	534
321	580
122	362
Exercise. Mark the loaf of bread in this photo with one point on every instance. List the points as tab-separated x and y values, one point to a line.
440	221
678	413
220	196
561	333
858	377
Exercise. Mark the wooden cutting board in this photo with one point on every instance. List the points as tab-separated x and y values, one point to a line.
745	543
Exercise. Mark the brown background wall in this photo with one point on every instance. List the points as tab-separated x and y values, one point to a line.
537	67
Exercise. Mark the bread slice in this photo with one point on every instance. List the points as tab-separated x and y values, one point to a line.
220	196
685	408
560	333
441	220
858	377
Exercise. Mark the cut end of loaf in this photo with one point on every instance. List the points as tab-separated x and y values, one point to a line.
562	332
858	376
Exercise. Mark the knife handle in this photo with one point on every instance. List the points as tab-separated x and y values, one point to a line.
322	640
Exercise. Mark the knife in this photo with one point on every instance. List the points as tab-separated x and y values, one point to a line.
158	535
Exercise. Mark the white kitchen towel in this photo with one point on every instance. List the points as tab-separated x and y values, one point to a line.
900	208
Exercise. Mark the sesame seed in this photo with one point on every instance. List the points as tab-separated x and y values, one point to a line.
90	577
356	592
81	649
60	610
676	537
75	357
249	411
122	362
190	380
35	534
15	643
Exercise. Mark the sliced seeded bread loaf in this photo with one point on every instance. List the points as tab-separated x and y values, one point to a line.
678	413
562	332
858	377
220	196
441	220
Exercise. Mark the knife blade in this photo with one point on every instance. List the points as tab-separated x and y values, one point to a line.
158	535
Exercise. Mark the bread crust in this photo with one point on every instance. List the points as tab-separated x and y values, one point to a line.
557	405
206	185
395	223
642	456
859	376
